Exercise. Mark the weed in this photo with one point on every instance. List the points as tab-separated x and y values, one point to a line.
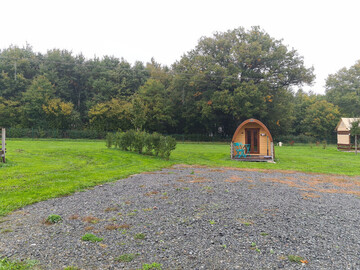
110	209
89	228
147	209
72	268
295	258
111	227
92	238
272	251
192	172
131	214
212	222
125	226
5	264
253	244
153	266
139	236
6	231
257	250
245	222
52	219
126	257
264	234
91	219
224	246
72	217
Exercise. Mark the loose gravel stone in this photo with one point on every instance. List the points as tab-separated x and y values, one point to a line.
189	217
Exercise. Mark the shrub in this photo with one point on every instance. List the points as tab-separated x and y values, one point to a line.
153	266
109	140
92	238
167	144
324	144
52	219
155	140
139	141
148	144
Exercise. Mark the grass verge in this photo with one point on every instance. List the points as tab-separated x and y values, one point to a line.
37	170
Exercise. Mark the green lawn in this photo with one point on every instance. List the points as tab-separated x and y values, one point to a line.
40	169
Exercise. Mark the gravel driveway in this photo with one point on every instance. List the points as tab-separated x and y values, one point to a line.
189	217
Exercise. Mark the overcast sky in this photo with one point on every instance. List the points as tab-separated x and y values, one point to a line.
325	33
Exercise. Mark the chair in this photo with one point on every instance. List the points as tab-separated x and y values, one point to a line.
241	150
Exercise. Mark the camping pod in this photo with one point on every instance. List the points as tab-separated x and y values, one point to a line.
343	134
252	141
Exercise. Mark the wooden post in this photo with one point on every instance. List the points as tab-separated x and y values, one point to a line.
272	151
232	151
3	145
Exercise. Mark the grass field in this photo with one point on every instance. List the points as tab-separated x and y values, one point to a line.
40	169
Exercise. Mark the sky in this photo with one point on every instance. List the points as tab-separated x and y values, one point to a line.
325	33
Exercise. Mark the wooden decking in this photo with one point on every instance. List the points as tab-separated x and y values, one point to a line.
346	147
255	158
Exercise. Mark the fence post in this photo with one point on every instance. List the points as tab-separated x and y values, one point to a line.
3	144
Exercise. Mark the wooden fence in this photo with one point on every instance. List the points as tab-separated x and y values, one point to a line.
3	145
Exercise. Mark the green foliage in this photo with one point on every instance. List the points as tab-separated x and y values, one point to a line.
355	128
126	257
167	144
153	266
92	238
139	236
321	119
6	264
154	144
109	140
343	90
53	219
295	258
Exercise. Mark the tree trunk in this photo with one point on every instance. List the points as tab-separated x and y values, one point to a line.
355	144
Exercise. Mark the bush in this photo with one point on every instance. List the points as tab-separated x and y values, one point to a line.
142	142
109	140
138	141
155	141
167	144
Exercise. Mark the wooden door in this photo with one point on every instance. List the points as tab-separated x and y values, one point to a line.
252	137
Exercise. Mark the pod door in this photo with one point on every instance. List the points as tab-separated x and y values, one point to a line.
252	138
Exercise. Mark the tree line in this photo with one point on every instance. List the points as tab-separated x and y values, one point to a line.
226	79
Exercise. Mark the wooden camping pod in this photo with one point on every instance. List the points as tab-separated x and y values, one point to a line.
252	141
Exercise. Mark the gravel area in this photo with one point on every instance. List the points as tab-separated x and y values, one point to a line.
196	218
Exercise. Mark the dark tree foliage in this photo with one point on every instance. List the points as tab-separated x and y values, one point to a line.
226	79
236	75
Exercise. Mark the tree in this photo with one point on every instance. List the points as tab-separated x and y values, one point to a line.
321	119
343	90
58	113
355	131
9	113
138	112
39	93
159	108
248	69
302	101
111	115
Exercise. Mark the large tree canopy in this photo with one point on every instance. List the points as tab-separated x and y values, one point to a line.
237	74
225	79
343	90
